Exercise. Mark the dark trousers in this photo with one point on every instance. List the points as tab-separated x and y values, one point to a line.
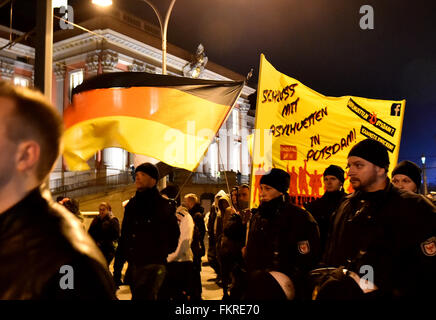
196	279
177	285
146	281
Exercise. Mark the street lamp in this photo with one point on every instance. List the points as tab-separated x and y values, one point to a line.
102	3
162	23
424	174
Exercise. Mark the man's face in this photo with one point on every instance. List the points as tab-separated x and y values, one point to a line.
332	183
244	194
223	205
234	197
8	148
103	210
188	203
402	181
362	173
268	193
144	181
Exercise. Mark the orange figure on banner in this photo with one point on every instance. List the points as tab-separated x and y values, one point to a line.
302	182
293	189
315	182
258	175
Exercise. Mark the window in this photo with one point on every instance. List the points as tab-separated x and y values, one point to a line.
76	78
21	81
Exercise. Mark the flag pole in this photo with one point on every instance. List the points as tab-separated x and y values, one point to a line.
184	183
225	175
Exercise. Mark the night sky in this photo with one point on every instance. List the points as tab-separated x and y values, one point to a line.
318	42
321	44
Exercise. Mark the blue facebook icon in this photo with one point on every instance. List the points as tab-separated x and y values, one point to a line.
396	109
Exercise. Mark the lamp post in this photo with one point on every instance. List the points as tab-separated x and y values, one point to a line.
163	24
163	30
44	47
424	175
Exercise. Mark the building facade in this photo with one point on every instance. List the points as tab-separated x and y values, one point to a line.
120	42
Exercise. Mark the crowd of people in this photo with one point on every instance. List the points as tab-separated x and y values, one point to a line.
378	242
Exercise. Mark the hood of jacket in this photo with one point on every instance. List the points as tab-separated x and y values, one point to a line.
220	194
226	198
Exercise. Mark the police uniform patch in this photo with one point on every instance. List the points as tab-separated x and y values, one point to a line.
303	247
429	247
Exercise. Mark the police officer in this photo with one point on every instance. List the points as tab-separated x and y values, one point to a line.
407	175
283	243
323	208
383	239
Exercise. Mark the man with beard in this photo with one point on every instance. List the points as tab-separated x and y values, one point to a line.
383	240
283	243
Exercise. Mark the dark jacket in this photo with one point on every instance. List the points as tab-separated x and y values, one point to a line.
37	238
233	237
105	233
149	231
394	232
197	244
322	209
285	238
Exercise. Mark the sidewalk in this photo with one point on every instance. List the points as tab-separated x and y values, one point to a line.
211	291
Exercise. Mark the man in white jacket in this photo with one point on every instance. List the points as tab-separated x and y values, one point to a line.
180	262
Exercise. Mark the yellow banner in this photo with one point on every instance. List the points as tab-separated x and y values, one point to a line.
303	132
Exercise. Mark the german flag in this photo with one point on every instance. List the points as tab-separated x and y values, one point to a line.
172	119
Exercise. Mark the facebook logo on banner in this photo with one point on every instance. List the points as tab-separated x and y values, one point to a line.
396	109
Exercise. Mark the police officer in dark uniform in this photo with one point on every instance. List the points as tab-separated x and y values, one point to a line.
283	243
323	208
383	240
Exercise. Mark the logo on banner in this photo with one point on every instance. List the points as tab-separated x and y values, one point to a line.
429	247
303	247
396	109
288	152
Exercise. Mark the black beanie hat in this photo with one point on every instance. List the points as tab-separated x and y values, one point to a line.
410	169
278	179
149	169
372	151
336	171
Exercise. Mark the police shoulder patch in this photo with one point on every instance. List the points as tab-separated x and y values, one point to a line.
303	247
428	247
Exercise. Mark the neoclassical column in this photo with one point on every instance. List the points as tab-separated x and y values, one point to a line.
245	154
59	70
222	147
